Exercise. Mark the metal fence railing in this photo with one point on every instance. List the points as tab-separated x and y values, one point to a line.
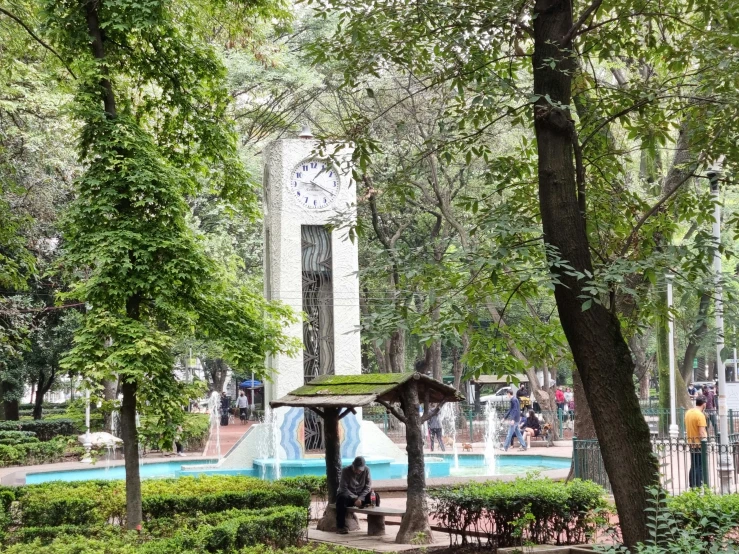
681	465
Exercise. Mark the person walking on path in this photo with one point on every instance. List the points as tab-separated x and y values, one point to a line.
435	431
355	489
559	398
225	409
710	413
695	431
242	403
513	416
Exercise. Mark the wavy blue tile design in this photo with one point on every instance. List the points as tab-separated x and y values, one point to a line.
349	433
292	438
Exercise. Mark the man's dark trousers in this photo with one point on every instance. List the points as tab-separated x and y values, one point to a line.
436	434
695	477
343	502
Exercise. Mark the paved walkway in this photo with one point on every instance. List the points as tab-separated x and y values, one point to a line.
229	435
359	539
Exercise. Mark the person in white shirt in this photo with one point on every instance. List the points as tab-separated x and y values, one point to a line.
242	402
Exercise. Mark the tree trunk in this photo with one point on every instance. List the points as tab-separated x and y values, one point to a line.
638	350
382	366
44	385
11	410
415	523
333	465
218	371
691	351
396	352
600	352
433	357
130	436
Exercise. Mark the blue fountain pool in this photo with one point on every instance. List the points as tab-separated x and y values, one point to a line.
148	471
437	465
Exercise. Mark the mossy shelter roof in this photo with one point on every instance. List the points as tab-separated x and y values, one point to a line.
348	391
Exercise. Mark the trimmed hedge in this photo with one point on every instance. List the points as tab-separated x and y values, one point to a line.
30	451
276	527
45	429
314	484
46	535
45	406
90	502
224	532
528	509
170	505
28	412
17	434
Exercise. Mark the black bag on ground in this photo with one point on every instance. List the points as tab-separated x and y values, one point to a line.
224	419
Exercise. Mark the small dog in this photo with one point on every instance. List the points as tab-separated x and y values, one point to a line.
466	447
448	442
546	433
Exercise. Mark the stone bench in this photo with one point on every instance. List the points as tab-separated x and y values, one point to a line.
376	518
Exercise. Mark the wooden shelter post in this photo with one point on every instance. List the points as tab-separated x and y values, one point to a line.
333	451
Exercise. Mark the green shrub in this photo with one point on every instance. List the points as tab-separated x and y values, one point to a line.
161	498
76	503
17	441
45	412
16	434
45	429
224	532
45	406
277	527
170	505
194	434
35	452
46	535
7	496
530	509
314	484
704	511
689	523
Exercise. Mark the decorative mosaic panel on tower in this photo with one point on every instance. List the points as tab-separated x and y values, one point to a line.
318	327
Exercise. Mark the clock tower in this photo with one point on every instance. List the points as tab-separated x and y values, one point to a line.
311	265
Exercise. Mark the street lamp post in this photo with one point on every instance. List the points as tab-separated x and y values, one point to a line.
725	461
674	431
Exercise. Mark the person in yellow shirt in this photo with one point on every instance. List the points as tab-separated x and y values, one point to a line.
695	431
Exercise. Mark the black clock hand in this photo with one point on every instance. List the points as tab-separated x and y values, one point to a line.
320	187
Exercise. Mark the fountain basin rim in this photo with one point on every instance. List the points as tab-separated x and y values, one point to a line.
117	463
316	462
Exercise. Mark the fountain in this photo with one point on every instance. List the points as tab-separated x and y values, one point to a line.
110	448
214	404
115	423
273	440
492	426
448	419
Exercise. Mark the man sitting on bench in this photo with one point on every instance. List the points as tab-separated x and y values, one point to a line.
355	489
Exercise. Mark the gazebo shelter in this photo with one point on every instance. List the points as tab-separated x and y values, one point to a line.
333	397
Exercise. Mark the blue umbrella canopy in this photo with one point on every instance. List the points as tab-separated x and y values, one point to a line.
251	384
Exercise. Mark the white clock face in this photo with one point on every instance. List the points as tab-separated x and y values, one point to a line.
314	184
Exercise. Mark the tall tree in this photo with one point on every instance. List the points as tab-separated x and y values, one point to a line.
153	104
491	53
